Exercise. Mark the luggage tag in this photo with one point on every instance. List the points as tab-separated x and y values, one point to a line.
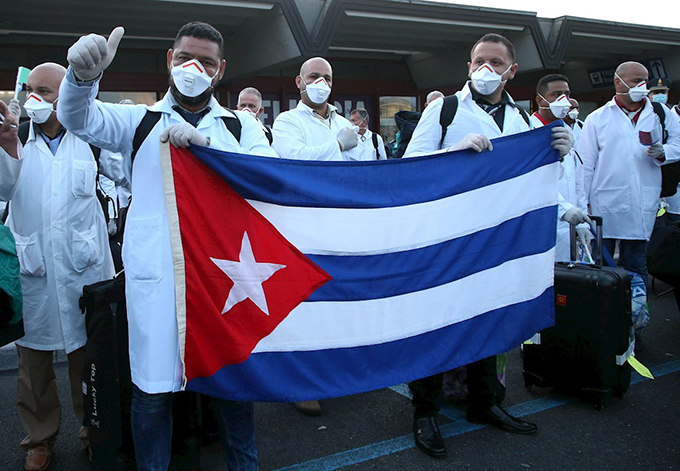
584	255
639	367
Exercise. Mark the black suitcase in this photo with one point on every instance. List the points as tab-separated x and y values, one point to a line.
107	386
584	353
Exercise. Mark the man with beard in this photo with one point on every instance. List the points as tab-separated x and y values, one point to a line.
187	114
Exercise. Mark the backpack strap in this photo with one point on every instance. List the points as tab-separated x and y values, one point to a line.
447	114
23	132
233	125
151	118
374	138
522	113
145	126
661	113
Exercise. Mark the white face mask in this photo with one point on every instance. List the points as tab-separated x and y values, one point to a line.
486	80
636	93
559	108
573	114
191	78
37	108
318	91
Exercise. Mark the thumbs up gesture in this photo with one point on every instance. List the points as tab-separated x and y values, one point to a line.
92	54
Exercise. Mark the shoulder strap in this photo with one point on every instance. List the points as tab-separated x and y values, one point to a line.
151	118
580	124
96	152
374	138
447	114
268	134
661	113
522	113
145	126
233	125
23	132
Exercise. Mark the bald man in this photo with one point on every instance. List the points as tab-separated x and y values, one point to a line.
314	130
62	244
622	151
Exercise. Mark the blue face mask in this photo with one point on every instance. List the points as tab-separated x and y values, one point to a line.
660	98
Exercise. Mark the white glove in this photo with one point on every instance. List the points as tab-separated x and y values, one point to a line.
181	135
477	142
575	216
584	235
563	140
15	107
92	54
655	151
347	139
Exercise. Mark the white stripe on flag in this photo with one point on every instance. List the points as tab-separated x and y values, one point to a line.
323	325
382	230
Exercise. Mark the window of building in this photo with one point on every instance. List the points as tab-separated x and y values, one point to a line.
389	105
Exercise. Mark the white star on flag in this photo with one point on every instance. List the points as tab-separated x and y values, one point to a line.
248	276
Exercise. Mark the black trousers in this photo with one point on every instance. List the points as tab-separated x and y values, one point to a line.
484	389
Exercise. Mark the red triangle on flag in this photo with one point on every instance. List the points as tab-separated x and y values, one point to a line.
214	221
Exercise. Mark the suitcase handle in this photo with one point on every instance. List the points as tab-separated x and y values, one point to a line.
598	253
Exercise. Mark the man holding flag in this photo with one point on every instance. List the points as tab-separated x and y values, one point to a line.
483	110
189	114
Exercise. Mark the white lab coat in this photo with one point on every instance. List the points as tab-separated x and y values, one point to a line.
365	145
61	238
674	201
622	184
298	134
571	194
470	118
576	131
147	256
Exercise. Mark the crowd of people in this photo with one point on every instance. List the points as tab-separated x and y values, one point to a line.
611	167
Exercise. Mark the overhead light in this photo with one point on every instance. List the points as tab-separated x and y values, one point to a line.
365	49
226	3
625	38
437	21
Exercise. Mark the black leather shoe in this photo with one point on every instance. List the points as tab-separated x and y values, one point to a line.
428	437
498	417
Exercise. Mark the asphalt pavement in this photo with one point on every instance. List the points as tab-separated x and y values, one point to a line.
373	431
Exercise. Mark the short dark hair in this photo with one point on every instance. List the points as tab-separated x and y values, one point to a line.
498	39
198	29
361	111
542	85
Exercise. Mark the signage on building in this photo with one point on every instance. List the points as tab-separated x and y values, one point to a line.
604	77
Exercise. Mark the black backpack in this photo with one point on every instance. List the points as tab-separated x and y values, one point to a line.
152	117
670	174
450	107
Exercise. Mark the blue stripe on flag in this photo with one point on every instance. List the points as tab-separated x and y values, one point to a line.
306	375
378	184
391	274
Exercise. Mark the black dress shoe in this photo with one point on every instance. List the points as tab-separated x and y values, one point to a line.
428	437
498	417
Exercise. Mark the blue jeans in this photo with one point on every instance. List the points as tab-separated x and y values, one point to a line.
152	431
632	255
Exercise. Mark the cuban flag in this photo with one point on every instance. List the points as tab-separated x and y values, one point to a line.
304	280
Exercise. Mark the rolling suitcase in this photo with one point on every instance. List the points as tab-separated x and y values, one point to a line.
107	386
585	352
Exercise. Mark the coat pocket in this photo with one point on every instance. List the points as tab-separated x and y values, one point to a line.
86	250
30	255
613	200
143	249
84	178
650	199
